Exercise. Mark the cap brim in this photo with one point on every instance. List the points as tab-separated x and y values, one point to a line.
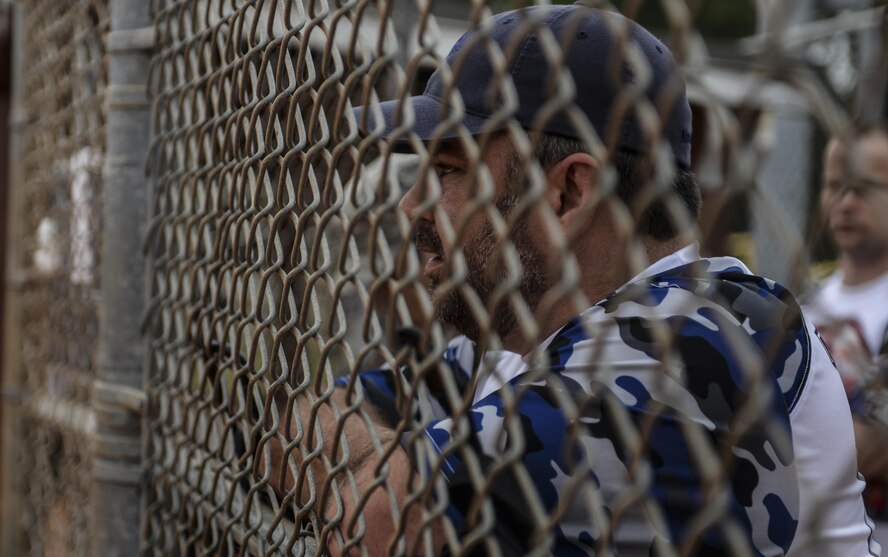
427	118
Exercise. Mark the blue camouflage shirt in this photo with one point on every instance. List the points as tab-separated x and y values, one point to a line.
659	418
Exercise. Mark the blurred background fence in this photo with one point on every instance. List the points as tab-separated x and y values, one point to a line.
54	283
162	285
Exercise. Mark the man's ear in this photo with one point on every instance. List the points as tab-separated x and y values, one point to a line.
574	190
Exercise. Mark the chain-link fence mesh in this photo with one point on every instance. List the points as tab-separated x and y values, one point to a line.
368	340
57	234
281	263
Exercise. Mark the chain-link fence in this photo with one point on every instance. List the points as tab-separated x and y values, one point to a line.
379	328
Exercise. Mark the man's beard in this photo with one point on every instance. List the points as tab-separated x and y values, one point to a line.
485	271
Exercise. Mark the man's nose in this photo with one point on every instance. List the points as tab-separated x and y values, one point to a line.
411	203
848	197
407	204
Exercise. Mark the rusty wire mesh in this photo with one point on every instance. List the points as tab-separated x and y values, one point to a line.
57	234
281	263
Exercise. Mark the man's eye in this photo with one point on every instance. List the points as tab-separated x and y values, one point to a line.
868	187
444	169
834	186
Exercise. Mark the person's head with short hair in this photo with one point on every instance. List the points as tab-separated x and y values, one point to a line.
854	200
609	127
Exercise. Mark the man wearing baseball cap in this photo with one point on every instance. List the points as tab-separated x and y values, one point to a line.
615	392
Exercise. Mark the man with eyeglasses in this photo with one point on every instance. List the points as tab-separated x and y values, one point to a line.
851	307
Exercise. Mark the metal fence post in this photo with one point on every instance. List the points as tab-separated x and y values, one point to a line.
9	491
118	391
784	188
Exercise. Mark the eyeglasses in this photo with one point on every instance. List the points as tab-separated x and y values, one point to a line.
865	188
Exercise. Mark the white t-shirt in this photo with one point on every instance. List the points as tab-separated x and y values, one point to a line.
864	304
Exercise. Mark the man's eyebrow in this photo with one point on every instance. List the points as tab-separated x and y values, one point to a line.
451	149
